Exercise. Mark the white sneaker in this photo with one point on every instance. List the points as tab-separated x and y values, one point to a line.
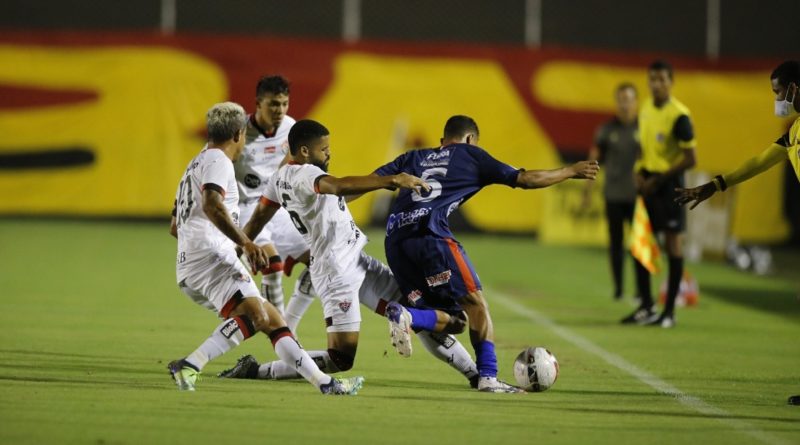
399	328
491	384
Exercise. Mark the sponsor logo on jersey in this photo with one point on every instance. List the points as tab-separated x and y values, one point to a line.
414	296
439	279
241	277
283	184
401	219
437	158
251	180
344	306
229	328
270	149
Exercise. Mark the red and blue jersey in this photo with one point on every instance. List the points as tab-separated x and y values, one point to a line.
455	173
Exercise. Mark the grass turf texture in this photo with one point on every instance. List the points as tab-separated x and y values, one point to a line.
91	316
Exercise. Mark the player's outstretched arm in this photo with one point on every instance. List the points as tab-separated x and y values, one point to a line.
214	208
754	166
533	179
354	185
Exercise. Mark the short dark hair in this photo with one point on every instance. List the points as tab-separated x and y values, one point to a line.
303	132
660	65
272	84
787	72
458	126
626	86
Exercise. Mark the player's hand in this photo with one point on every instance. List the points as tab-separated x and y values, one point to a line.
406	181
585	169
256	256
696	194
650	185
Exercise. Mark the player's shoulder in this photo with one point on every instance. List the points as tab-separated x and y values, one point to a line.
678	108
287	122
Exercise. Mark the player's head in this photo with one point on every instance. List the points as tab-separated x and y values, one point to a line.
226	123
659	79
627	99
309	142
786	86
272	101
460	129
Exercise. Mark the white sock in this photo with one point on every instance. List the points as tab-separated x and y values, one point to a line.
225	337
272	289
279	370
448	349
301	299
290	352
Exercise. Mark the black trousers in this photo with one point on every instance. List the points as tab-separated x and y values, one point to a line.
616	214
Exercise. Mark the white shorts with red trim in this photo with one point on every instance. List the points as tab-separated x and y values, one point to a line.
364	281
217	282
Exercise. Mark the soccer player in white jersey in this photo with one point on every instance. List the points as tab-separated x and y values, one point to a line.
266	146
343	274
205	221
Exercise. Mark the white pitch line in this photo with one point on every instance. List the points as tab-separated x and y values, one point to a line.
649	379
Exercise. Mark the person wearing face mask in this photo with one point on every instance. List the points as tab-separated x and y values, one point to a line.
785	81
666	137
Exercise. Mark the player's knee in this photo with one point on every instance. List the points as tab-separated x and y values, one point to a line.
342	360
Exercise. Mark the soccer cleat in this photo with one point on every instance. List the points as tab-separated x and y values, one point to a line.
184	374
345	386
491	384
640	316
794	400
663	320
245	368
399	328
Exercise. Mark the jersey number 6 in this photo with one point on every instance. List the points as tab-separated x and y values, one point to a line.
436	186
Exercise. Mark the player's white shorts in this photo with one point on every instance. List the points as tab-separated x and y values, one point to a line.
217	282
365	281
280	231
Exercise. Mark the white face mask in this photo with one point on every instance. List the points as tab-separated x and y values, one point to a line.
785	107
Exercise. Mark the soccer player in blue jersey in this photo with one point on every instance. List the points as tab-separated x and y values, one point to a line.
432	268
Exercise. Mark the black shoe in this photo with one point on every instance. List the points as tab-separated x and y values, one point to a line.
245	368
665	321
639	316
794	400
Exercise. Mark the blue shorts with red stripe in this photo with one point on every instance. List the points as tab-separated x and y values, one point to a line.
433	272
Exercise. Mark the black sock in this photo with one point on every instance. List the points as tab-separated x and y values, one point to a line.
643	284
673	283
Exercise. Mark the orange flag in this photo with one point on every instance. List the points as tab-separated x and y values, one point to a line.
644	246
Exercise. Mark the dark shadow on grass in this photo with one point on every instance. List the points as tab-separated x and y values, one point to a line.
691	415
592	392
779	302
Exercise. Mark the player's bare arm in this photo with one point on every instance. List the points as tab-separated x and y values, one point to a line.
533	179
354	185
262	215
773	155
173	228
214	208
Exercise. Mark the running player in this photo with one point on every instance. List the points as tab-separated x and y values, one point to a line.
785	81
266	147
344	275
429	264
205	221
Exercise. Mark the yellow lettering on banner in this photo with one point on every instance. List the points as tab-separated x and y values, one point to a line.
732	114
377	103
142	128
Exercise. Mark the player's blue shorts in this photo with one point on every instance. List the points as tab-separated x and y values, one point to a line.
433	272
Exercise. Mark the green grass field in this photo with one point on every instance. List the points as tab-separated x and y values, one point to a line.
91	316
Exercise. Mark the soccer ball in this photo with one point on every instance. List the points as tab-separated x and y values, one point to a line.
535	369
